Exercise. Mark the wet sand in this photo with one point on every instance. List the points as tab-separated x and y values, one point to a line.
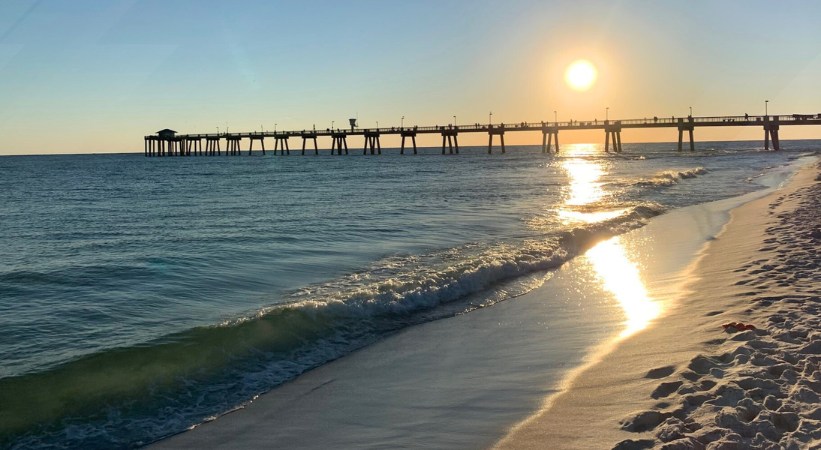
693	380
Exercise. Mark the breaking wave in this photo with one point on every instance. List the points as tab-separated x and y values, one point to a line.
128	397
671	177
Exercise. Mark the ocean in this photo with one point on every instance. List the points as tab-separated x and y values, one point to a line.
141	296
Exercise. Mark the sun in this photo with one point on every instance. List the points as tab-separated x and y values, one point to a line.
580	75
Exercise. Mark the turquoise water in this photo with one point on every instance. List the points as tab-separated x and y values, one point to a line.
139	296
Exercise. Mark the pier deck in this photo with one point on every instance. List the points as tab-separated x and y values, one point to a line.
169	143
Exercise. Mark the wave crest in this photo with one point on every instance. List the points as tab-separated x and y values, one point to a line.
671	177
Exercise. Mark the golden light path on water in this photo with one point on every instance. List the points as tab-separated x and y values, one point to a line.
618	273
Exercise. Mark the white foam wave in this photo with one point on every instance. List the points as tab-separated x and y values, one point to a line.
671	177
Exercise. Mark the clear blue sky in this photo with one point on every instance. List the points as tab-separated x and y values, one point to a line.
95	76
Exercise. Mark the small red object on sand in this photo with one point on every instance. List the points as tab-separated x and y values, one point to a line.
737	326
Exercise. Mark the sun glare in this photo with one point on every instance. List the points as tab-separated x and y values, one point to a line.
580	75
622	277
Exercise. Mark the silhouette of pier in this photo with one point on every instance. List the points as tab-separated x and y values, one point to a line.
169	143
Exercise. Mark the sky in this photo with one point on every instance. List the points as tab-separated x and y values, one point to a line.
87	76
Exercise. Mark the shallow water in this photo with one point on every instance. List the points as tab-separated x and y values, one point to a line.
167	290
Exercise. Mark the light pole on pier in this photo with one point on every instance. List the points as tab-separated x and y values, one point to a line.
377	125
275	128
402	122
555	117
765	107
607	114
490	118
332	125
691	111
454	120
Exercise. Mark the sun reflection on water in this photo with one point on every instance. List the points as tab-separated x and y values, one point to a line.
585	202
585	196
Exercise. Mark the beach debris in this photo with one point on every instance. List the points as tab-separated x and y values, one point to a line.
732	327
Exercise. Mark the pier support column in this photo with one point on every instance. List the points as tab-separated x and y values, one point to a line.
692	141
548	134
372	142
498	131
281	144
339	140
261	140
212	146
612	132
410	134
305	137
233	145
450	139
681	129
771	127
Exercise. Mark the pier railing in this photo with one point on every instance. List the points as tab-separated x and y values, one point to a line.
168	141
647	122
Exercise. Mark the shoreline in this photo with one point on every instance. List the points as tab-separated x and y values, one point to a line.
687	382
462	382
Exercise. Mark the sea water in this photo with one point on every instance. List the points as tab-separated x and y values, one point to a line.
139	296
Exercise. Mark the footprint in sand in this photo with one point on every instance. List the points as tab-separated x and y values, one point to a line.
660	372
665	389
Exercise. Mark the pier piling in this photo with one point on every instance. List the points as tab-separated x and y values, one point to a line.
305	137
167	143
499	131
771	132
410	134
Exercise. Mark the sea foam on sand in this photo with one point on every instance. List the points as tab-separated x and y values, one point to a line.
693	381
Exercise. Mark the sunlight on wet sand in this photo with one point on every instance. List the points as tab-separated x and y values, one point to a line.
621	276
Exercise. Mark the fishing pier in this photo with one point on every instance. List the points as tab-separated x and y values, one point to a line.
168	143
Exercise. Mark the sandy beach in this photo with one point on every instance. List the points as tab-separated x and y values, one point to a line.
694	380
